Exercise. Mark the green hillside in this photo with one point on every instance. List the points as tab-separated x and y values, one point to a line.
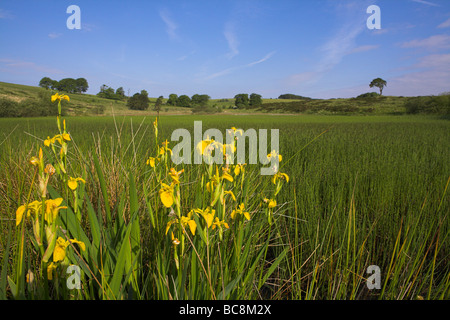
26	99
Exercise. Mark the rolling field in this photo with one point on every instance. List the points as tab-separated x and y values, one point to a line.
361	191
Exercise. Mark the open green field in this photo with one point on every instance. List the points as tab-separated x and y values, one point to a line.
362	191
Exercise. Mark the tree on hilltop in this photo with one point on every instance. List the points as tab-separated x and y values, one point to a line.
139	101
255	100
379	83
46	83
241	100
172	101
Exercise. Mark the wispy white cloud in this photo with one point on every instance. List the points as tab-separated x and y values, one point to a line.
267	57
4	14
429	75
445	24
221	73
338	47
171	26
441	41
364	48
88	27
441	61
427	3
184	57
332	52
230	36
54	35
20	67
232	69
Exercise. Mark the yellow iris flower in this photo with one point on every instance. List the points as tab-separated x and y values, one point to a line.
73	182
280	176
274	154
52	208
164	148
238	168
237	131
218	223
33	206
185	221
175	175
166	194
59	137
152	161
190	222
230	193
207	214
240	210
202	145
175	241
155	126
38	161
50	268
59	253
271	203
217	178
60	97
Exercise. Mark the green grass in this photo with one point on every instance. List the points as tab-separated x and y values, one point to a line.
368	191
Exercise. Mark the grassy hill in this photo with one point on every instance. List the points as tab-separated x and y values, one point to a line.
86	104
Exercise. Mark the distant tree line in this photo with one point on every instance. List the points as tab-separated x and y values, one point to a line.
68	85
197	100
291	96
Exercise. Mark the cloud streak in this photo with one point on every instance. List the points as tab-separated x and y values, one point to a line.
333	51
444	24
232	69
54	35
171	26
230	36
20	67
440	41
5	14
426	2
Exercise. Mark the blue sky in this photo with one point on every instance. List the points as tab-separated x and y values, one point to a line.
315	48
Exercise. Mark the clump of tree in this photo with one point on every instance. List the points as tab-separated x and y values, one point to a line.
243	101
109	93
184	101
368	95
139	101
379	83
173	100
188	102
68	85
255	100
200	100
291	96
